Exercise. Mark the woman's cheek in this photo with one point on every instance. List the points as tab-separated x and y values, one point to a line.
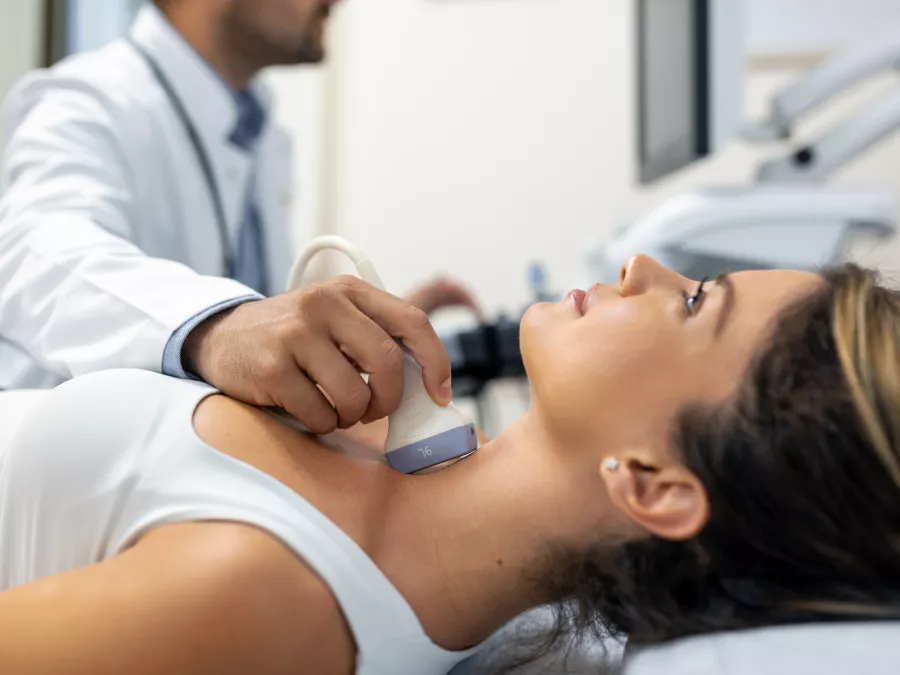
626	333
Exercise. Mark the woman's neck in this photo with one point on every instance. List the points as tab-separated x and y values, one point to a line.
469	546
466	546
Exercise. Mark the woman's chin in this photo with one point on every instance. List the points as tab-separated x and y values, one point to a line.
544	316
539	324
533	322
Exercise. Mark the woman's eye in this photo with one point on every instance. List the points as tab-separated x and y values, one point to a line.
693	301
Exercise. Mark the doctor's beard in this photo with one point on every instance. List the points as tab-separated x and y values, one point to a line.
277	32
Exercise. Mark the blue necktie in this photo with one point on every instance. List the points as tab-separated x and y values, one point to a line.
250	266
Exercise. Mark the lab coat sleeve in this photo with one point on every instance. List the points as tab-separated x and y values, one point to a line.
76	292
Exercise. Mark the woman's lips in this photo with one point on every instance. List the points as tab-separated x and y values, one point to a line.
578	297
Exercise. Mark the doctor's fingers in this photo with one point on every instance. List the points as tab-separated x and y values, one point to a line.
375	353
409	324
293	391
331	369
290	389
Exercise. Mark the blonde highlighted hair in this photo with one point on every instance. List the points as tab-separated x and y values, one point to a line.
866	328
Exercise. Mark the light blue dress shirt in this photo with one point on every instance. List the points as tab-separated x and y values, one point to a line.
250	260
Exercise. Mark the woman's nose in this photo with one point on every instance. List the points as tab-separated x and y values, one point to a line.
640	273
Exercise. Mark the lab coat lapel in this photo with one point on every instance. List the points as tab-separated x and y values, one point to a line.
275	190
233	167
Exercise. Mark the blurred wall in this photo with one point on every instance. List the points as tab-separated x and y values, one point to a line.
300	107
474	136
21	39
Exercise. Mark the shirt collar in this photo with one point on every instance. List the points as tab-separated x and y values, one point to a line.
216	110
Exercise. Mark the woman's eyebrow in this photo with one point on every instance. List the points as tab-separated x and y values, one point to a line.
724	280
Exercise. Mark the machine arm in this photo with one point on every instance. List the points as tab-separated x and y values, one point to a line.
824	82
817	161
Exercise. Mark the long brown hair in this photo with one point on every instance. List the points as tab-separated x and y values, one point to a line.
802	471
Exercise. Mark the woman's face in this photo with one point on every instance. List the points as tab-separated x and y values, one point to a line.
614	365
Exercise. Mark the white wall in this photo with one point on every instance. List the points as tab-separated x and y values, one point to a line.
21	25
473	137
299	107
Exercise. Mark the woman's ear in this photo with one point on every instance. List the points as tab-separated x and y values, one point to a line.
665	499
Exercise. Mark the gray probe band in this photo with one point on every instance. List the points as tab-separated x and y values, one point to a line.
432	451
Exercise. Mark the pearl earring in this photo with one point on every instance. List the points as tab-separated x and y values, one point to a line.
612	464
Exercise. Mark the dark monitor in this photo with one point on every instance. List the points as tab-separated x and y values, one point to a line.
690	72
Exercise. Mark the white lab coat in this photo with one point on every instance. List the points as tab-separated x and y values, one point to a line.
108	236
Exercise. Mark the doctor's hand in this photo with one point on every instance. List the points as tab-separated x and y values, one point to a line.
304	350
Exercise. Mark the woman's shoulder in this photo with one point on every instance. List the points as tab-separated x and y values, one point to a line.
248	584
191	598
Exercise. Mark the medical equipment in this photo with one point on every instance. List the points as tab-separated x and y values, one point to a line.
538	282
816	161
789	219
421	434
489	351
483	354
705	232
690	71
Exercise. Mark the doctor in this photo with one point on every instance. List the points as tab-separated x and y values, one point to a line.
144	224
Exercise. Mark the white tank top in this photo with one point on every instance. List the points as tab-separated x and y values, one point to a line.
110	456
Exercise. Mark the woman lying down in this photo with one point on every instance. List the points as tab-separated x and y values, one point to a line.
697	458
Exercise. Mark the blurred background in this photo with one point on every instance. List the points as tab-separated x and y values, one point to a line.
478	137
